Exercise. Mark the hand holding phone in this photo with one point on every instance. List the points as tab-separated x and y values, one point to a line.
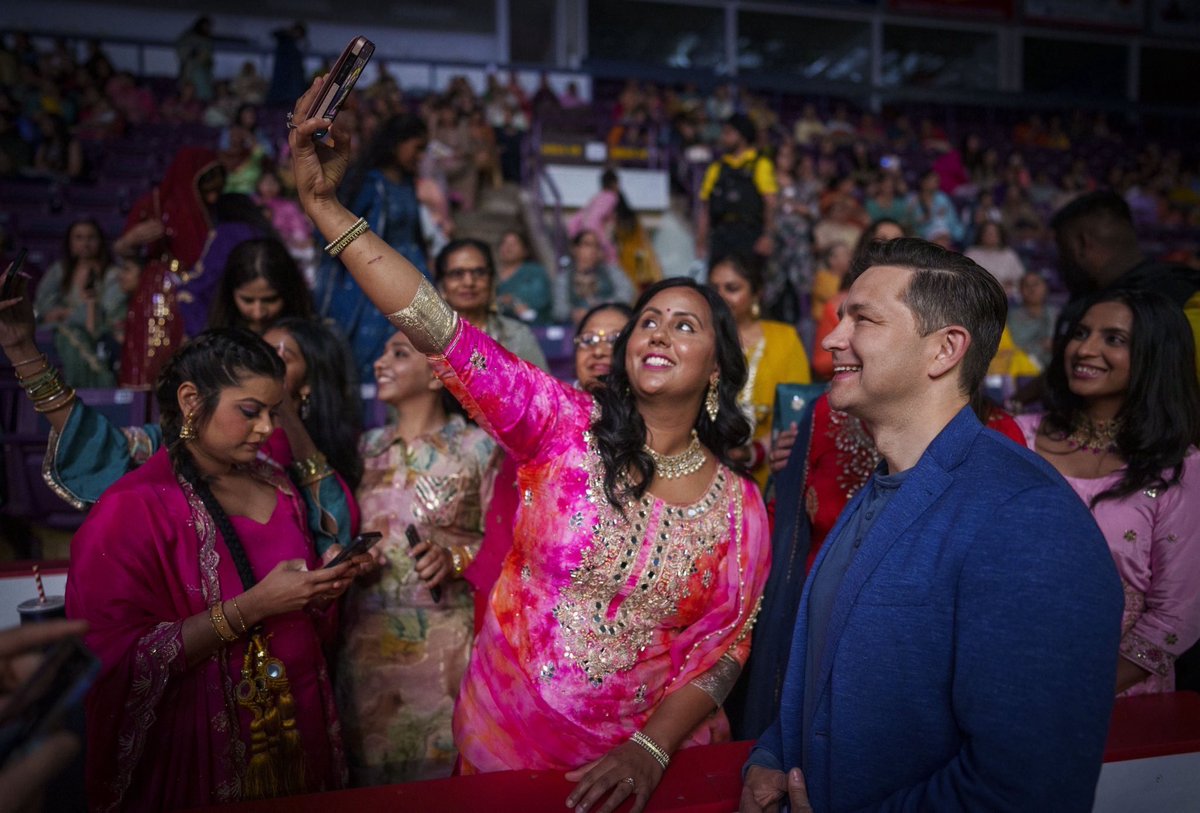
13	278
414	539
359	544
339	82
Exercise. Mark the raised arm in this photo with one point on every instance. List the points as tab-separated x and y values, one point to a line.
389	280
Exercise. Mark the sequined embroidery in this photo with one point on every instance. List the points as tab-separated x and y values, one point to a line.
1130	536
635	571
1172	537
639	696
1151	492
547	672
857	456
576	521
528	497
1171	639
526	573
478	361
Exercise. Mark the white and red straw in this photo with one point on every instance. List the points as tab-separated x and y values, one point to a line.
37	577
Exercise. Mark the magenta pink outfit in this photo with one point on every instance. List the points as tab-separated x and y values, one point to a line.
163	735
1154	537
598	216
289	220
594	619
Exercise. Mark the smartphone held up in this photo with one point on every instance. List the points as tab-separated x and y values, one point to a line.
339	82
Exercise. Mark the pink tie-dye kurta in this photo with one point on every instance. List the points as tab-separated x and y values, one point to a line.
1154	537
594	619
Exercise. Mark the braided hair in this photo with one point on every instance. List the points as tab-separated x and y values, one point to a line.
620	431
213	361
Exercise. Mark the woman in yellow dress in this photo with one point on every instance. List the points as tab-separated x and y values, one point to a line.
774	352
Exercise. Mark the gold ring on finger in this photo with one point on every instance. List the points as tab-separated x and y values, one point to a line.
632	784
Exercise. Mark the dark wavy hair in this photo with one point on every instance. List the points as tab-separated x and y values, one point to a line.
746	266
334	419
1160	418
620	431
264	258
104	257
213	361
381	152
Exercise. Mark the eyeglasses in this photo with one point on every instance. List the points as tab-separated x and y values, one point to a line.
460	274
593	339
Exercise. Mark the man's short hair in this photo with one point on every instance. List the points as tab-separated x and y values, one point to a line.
946	289
1101	203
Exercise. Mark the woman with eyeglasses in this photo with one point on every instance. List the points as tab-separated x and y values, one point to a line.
465	275
594	341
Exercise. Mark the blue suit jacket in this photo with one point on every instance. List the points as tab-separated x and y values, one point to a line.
971	652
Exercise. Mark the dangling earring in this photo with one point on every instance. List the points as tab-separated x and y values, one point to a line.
188	430
755	310
711	405
304	407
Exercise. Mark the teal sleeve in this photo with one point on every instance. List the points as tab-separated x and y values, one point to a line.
90	454
331	499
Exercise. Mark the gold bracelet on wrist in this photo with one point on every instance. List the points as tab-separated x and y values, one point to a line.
656	750
38	357
347	237
220	625
51	404
311	469
241	618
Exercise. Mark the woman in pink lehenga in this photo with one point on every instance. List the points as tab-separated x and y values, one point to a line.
207	604
620	618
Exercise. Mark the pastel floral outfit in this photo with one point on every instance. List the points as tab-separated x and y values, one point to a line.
595	617
1154	538
403	655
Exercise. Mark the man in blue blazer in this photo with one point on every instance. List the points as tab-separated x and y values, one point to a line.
955	647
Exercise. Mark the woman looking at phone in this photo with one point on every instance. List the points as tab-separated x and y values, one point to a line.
403	650
630	502
206	603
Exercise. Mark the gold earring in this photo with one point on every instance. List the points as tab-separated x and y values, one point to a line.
188	430
711	405
755	310
304	407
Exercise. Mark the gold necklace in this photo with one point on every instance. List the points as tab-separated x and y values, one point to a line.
1094	436
672	467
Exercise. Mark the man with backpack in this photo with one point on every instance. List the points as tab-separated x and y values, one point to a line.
737	200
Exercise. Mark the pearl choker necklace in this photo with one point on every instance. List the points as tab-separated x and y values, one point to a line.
1094	436
672	467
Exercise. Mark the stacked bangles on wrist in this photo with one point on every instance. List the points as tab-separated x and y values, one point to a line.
44	387
657	751
335	247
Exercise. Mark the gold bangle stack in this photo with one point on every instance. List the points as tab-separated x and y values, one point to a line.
220	624
45	387
311	469
351	234
656	750
460	559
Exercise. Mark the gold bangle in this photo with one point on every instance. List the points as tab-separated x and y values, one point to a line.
347	237
654	748
38	357
456	560
311	469
221	626
51	404
241	618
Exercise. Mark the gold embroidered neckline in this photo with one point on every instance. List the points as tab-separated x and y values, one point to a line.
672	467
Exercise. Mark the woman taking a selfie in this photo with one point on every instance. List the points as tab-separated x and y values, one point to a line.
207	604
630	503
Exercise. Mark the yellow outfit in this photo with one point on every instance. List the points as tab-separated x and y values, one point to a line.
1191	309
1011	360
780	358
764	173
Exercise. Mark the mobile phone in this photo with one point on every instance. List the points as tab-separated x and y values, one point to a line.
359	544
39	705
414	539
12	277
340	81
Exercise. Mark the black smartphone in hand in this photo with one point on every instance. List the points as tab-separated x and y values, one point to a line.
414	539
13	275
40	703
359	544
340	81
